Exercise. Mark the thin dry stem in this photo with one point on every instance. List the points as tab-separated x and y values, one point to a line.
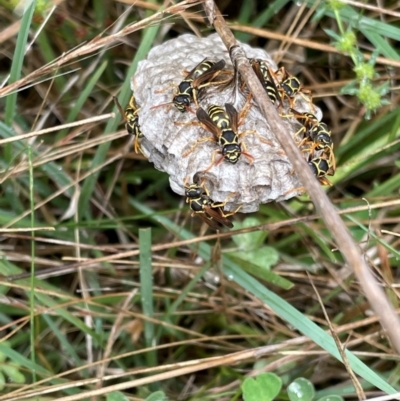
56	128
265	33
172	370
69	268
96	44
350	250
341	348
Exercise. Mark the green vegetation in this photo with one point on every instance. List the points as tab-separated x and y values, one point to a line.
123	295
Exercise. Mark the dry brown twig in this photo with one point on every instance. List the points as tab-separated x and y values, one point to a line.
119	256
351	252
97	43
311	44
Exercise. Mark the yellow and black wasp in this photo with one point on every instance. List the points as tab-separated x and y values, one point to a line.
190	88
131	118
290	86
202	205
262	70
196	80
317	135
223	124
321	167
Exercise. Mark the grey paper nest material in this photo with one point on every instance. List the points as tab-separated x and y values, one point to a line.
269	178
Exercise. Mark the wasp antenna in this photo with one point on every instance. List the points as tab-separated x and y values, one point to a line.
249	157
159	105
197	177
121	110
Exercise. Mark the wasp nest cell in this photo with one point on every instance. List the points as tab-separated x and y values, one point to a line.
175	141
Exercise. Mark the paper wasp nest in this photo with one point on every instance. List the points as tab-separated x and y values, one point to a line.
269	178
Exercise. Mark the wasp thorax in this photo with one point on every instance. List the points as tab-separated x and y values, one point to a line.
216	131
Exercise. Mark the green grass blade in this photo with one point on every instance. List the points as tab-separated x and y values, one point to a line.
389	186
262	19
21	360
146	288
88	90
382	44
15	74
88	187
51	169
65	343
276	303
365	24
18	60
45	45
302	323
32	281
185	291
48	302
394	251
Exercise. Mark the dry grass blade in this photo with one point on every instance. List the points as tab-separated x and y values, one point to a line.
57	128
351	252
264	33
96	44
71	171
28	229
341	348
175	370
44	273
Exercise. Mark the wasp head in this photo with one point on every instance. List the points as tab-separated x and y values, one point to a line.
193	191
231	153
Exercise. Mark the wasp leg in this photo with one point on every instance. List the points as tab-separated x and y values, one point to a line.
250	158
331	158
171	85
222	204
213	162
261	138
137	147
332	162
310	153
169	104
312	148
232	213
287	115
324	181
305	94
245	110
196	123
188	152
282	71
300	131
298	189
212	83
284	95
244	133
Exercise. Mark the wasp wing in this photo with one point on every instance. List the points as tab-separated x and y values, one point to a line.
209	221
257	69
216	214
209	74
205	119
233	116
191	72
331	161
273	84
